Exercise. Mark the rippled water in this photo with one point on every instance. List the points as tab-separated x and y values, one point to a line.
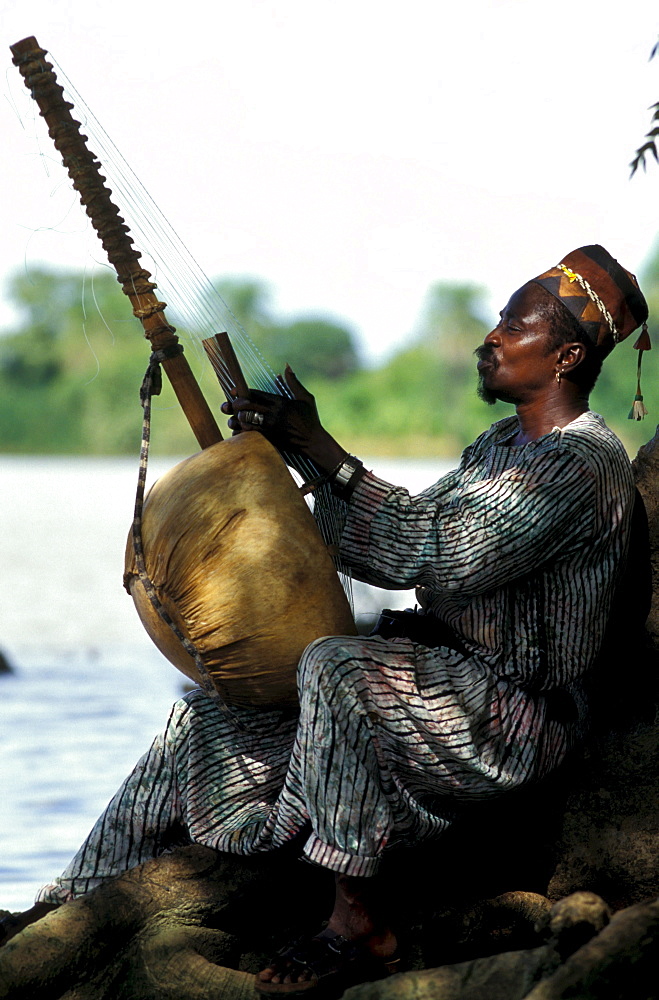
88	691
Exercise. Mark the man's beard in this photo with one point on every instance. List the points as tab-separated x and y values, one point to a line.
485	353
484	393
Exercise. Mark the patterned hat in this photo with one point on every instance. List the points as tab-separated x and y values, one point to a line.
605	300
602	296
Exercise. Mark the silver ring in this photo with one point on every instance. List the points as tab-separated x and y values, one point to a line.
252	417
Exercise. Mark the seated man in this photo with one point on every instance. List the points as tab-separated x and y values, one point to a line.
515	556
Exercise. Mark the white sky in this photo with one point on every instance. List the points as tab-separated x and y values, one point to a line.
350	152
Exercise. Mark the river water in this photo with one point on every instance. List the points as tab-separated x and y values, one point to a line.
88	690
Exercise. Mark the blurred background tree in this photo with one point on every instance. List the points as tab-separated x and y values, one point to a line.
422	400
67	372
314	347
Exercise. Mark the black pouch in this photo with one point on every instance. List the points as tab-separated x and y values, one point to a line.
418	626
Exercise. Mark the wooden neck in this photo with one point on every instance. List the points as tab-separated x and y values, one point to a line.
84	170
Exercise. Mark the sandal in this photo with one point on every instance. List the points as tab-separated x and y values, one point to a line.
332	960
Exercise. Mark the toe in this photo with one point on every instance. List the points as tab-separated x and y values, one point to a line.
266	975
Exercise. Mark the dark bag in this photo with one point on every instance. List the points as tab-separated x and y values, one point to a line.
420	627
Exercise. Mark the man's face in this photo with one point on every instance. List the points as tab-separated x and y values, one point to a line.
515	362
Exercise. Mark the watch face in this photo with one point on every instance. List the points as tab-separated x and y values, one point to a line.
348	469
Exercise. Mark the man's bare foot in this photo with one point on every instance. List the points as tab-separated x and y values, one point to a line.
358	915
356	936
13	924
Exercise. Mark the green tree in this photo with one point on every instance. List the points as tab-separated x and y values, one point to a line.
423	399
313	346
451	319
70	371
249	301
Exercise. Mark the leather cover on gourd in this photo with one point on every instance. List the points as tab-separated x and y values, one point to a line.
238	562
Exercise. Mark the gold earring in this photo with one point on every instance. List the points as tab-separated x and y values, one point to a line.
558	376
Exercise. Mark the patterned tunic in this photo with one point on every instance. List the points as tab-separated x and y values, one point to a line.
518	551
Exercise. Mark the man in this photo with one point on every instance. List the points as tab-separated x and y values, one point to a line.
515	556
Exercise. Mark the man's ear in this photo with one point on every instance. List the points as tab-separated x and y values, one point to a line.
571	355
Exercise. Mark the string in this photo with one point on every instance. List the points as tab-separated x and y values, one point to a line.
84	327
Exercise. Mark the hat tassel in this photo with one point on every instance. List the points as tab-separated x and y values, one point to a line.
639	409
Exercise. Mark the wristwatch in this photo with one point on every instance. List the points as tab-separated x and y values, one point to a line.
346	476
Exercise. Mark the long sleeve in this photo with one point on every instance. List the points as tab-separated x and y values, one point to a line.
476	536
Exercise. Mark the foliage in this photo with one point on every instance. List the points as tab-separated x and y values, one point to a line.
651	145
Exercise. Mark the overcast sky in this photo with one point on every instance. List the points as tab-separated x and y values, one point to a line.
350	152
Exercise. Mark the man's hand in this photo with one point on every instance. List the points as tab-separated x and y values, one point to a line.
290	422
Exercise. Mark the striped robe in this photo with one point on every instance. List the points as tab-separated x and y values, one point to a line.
518	551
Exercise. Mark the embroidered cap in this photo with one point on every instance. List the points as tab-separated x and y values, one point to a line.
602	296
605	300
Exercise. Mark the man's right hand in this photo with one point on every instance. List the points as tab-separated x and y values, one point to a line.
290	421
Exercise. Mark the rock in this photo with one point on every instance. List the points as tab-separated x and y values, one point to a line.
5	665
163	930
195	923
610	960
499	977
573	921
505	923
620	962
608	838
646	474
